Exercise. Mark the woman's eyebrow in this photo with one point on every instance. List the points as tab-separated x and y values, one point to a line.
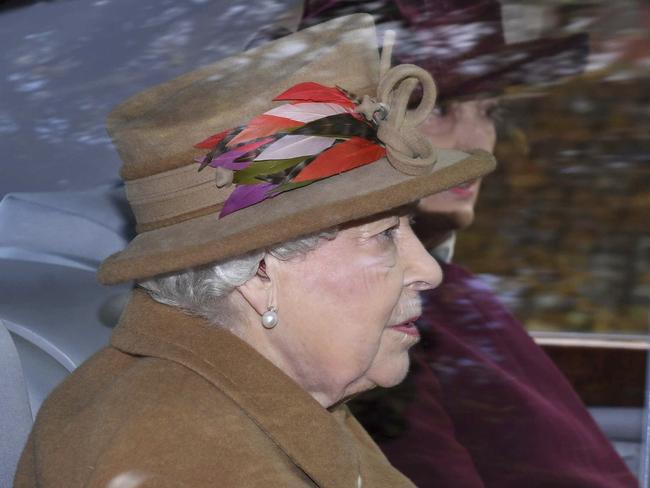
383	223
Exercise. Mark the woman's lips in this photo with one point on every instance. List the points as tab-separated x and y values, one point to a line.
466	190
407	328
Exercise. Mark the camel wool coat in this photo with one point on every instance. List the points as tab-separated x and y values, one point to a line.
174	402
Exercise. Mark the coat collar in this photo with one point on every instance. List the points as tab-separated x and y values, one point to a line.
314	438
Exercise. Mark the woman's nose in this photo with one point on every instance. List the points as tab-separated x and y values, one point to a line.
422	271
473	129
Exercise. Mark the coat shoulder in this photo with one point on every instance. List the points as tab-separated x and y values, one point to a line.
145	419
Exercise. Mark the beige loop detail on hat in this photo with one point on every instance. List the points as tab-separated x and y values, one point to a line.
172	194
407	149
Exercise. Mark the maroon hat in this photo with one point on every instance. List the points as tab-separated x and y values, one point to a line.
461	43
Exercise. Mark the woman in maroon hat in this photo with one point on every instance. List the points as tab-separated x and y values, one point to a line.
483	405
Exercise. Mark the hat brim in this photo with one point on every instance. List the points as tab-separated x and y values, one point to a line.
362	192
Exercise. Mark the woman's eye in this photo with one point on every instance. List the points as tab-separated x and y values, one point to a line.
441	110
389	234
494	112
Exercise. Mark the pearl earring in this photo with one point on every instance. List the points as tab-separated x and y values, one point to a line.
270	318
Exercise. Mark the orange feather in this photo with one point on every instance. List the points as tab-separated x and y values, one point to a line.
262	126
315	92
341	157
212	141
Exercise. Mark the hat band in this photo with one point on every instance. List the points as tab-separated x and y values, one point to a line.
184	193
173	196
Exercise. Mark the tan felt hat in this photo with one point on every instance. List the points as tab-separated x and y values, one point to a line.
177	207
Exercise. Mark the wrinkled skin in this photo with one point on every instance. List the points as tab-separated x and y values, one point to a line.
338	306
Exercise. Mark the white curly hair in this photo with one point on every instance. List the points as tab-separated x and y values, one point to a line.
204	291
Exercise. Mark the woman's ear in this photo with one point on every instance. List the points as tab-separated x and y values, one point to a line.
258	291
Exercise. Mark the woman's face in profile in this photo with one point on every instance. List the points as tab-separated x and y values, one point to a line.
460	125
346	308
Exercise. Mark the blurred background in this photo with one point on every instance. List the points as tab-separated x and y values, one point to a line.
66	63
563	232
563	226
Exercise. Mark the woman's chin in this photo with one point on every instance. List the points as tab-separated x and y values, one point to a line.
393	374
464	218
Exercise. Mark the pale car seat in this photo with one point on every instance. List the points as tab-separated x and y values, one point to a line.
16	418
42	370
624	427
54	314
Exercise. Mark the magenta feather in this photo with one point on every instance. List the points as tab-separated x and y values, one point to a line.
244	196
228	159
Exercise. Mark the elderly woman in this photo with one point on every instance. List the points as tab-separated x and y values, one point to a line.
278	274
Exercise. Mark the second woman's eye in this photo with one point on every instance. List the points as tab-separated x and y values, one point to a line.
441	109
494	111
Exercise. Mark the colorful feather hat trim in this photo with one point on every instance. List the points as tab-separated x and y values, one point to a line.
318	135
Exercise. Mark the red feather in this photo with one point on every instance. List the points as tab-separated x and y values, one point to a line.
262	126
212	141
341	157
315	92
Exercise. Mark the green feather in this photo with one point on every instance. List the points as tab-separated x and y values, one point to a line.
282	177
258	169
